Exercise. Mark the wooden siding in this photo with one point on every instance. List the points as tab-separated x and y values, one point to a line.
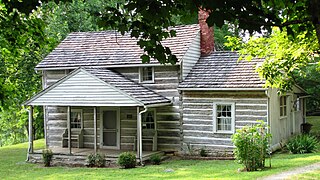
283	127
84	90
168	117
191	57
50	77
197	123
57	123
166	79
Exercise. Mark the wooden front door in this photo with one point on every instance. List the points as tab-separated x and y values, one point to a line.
110	128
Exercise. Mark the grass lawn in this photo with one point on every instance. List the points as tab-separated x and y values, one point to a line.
13	166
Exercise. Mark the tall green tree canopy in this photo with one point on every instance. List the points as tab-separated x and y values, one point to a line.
25	39
148	20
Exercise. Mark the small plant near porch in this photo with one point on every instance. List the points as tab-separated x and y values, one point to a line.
127	160
47	157
97	160
155	159
252	146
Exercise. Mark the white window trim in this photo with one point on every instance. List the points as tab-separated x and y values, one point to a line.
214	115
81	114
154	118
140	76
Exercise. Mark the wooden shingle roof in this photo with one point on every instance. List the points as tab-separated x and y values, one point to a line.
133	89
109	48
223	70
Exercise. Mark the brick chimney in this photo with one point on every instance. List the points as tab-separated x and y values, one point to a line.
206	33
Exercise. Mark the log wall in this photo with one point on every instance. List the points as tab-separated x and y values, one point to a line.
168	117
166	79
197	123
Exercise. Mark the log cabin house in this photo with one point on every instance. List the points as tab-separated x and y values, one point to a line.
98	97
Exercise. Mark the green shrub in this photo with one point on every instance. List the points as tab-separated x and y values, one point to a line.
252	146
155	159
97	160
47	157
91	160
127	160
100	161
302	143
203	152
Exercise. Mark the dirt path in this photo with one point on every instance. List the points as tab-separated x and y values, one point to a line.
300	170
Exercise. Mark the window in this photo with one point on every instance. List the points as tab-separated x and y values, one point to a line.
76	118
146	74
298	104
283	106
148	120
223	117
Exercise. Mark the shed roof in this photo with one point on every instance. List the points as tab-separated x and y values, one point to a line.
109	48
222	70
97	87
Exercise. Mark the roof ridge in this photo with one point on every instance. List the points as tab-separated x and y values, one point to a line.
113	30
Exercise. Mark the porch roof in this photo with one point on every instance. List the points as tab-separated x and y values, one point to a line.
97	87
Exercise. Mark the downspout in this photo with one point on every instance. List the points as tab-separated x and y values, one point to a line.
140	133
268	117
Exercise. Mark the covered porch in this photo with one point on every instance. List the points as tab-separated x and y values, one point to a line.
92	107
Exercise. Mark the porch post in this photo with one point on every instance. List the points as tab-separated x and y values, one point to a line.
30	150
69	128
95	129
139	133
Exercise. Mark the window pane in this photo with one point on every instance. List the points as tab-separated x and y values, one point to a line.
75	120
224	117
224	124
218	108
146	74
148	120
283	104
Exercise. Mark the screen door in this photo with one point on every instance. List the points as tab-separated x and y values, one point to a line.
110	131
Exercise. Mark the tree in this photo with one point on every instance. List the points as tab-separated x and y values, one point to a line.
311	83
285	57
25	39
150	20
21	44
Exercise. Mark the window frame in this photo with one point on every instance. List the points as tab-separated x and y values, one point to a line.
143	120
141	74
283	107
81	120
214	117
298	104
